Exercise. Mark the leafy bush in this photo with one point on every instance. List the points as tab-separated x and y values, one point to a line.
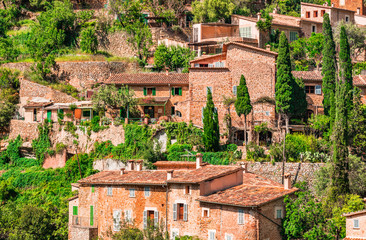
42	144
89	40
255	152
12	152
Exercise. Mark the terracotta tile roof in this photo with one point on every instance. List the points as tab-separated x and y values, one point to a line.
308	75
37	104
251	19
362	212
353	238
208	57
204	173
255	191
175	165
284	20
148	78
250	47
325	6
72	198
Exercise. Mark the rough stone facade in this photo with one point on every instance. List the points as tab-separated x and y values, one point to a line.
354	5
116	44
56	161
27	130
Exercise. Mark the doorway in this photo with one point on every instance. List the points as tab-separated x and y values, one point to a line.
149	110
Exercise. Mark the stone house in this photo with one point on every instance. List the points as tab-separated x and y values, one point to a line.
208	201
357	6
158	93
355	225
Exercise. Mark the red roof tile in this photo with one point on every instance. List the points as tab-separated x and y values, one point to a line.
284	20
175	165
255	191
250	47
37	104
362	212
148	78
308	75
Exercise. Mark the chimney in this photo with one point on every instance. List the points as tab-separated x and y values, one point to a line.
244	166
138	165
170	174
332	4
198	160
122	171
287	181
259	16
166	71
268	47
130	165
358	11
275	11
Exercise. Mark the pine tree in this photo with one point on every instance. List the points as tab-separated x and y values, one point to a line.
329	69
285	82
340	168
242	103
211	131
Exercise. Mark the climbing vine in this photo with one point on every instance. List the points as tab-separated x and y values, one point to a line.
42	144
183	133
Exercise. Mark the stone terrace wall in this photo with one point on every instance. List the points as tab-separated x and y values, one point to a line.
274	171
82	74
116	44
27	131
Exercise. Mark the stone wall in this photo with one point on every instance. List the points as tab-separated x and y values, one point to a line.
27	131
56	161
274	171
116	44
83	74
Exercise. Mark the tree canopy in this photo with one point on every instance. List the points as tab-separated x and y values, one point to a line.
243	104
212	10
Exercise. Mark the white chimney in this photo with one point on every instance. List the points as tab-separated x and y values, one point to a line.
170	174
259	16
138	165
244	166
332	4
287	181
122	171
198	160
130	165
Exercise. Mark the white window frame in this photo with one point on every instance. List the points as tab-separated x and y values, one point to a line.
128	215
245	32
318	89
132	192
241	216
229	236
235	90
174	233
116	220
208	212
342	2
209	234
356	223
110	191
147	191
282	212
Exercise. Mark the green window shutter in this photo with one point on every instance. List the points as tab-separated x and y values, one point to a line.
180	91
49	115
91	216
145	91
92	189
173	93
75	210
153	91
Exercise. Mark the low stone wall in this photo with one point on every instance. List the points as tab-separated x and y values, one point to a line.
27	131
116	44
56	161
274	171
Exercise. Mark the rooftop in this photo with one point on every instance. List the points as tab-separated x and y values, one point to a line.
37	104
358	80
148	78
167	165
324	6
351	214
284	20
255	191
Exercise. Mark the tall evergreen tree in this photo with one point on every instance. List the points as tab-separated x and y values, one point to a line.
285	82
329	69
211	130
242	103
340	167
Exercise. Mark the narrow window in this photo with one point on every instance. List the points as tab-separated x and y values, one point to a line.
75	210
132	192
187	190
347	18
313	29
116	220
228	236
205	212
315	14
279	213
35	115
128	215
356	223
293	36
177	91
147	191
307	14
240	216
322	13
211	234
235	90
318	89
109	191
172	110
180	211
92	188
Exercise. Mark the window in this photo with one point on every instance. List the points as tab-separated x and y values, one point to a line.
109	191
35	115
175	233
279	213
210	65
172	110
180	211
310	89
228	236
219	64
245	32
92	188
132	192
342	2
235	90
177	91
205	212
187	190
116	220
152	216
293	36
147	191
240	216
307	14
196	65
207	90
318	89
177	113
313	29
347	18
322	13
315	14
211	234
203	65
356	223
149	91
86	113
128	215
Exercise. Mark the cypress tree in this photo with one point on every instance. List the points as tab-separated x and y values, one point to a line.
340	181
285	82
242	103
329	69
211	131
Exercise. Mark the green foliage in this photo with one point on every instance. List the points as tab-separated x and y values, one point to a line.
89	40
60	147
243	105
183	133
265	25
212	10
358	126
12	152
255	152
320	125
42	144
172	57
8	51
211	131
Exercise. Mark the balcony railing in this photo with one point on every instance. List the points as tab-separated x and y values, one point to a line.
83	222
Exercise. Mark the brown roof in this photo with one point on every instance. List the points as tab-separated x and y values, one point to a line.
324	6
204	173
250	47
72	198
203	57
284	20
148	78
362	212
308	75
251	19
255	191
37	104
175	165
